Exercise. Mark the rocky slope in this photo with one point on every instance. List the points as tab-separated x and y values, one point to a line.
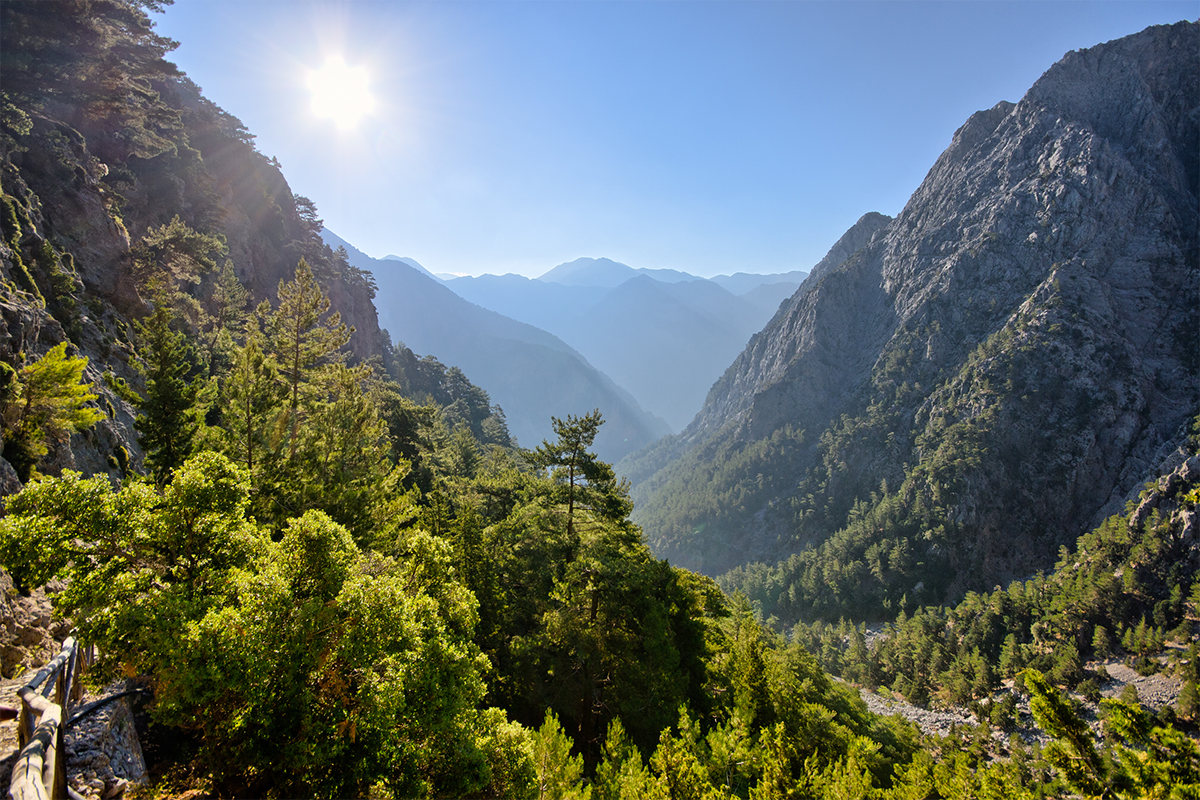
72	222
1013	354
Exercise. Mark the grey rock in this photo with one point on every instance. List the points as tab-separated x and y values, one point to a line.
1190	471
1038	291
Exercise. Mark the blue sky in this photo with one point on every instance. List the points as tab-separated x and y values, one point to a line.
710	137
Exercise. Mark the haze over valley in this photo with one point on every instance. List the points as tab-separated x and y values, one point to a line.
662	335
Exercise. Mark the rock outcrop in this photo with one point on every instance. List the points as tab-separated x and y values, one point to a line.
29	633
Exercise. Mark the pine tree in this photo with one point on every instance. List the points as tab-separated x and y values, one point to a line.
343	450
45	400
1067	667
1189	703
1101	642
169	409
586	481
252	396
303	339
170	260
621	774
102	57
560	774
224	311
1073	752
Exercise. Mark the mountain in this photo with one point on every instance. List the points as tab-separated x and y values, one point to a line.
412	262
531	374
853	240
766	297
665	342
955	393
666	336
553	307
741	283
333	240
606	272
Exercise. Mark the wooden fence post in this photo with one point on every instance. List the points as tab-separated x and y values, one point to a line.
39	772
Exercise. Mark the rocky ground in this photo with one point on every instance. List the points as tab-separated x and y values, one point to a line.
29	632
8	728
930	721
104	755
1154	692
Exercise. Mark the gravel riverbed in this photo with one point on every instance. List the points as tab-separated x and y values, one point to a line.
1154	692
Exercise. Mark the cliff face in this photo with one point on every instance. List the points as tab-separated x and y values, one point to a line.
102	141
1018	348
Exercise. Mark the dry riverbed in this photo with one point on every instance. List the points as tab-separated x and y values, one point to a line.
1154	692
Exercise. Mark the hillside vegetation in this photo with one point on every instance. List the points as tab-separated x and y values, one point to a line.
325	556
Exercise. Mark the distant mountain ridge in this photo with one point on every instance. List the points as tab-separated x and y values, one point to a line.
665	335
529	373
412	262
742	283
606	272
987	375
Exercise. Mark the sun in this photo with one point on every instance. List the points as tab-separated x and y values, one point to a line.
340	92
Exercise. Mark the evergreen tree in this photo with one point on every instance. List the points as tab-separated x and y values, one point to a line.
169	408
170	260
342	450
45	400
560	774
1067	667
102	57
622	775
224	311
1101	642
1073	751
302	339
1189	702
251	397
584	480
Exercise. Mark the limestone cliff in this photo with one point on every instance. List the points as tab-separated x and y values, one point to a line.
1014	354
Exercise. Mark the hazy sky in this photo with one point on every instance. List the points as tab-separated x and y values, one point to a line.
711	137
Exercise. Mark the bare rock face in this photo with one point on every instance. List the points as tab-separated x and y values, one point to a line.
29	633
860	235
1018	348
64	176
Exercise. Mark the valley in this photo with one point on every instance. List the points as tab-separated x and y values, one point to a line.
361	529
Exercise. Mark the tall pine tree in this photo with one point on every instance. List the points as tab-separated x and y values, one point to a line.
584	480
252	398
303	339
169	409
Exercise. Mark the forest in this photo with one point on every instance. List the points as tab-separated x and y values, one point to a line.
340	576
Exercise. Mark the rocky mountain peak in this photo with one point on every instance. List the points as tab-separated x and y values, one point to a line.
1017	348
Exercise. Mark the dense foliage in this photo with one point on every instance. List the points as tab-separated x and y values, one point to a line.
1125	589
339	574
295	595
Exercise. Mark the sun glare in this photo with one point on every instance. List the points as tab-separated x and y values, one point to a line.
340	92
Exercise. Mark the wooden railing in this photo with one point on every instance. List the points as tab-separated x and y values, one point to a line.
40	770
